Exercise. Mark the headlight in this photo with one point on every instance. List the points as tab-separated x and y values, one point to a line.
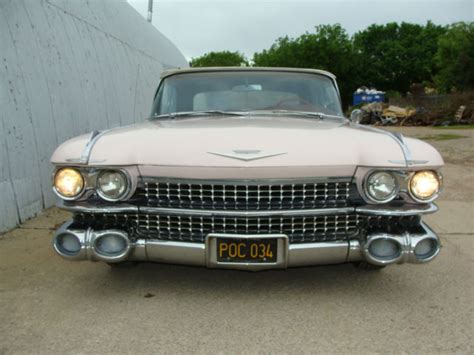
112	185
425	186
68	183
381	187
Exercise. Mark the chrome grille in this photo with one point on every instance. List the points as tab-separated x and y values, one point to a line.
246	196
298	229
304	229
195	228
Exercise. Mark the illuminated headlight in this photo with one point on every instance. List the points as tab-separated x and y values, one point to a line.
68	183
112	185
381	187
425	186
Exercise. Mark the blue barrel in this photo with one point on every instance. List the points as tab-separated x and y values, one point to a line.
365	98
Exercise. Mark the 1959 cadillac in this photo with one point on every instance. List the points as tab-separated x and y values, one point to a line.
247	168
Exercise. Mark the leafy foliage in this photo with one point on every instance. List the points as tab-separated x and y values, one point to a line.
220	59
329	48
394	56
390	57
455	58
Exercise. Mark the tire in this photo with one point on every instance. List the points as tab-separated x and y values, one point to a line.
364	265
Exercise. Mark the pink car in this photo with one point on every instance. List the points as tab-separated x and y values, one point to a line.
247	168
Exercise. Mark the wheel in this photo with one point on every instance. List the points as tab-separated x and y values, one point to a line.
123	265
364	265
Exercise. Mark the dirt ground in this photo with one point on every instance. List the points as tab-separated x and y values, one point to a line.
49	305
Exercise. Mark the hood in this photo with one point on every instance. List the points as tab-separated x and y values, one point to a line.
241	142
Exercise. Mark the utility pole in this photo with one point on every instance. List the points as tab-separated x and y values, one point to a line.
150	10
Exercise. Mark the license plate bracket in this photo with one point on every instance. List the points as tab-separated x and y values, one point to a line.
250	252
236	250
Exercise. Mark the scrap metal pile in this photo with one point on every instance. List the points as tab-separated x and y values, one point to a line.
421	110
385	114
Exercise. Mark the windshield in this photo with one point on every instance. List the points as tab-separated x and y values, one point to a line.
245	91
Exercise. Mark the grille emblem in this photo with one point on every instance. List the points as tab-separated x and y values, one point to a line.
246	154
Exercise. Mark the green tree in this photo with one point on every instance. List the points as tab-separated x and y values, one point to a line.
394	56
328	48
220	59
455	58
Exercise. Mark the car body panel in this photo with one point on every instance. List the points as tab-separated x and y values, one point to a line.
323	147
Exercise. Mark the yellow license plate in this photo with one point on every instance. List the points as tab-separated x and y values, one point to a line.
247	250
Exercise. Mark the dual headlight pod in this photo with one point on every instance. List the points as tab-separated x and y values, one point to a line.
384	186
110	185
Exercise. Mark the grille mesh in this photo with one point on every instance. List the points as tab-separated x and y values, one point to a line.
298	229
195	229
246	197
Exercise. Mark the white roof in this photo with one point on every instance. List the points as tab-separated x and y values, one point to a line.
170	72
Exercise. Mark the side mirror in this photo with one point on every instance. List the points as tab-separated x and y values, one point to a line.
356	116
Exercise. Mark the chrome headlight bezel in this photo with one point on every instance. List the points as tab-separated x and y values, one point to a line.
125	192
64	197
433	197
395	192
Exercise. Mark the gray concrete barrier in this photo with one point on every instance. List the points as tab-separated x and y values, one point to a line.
68	67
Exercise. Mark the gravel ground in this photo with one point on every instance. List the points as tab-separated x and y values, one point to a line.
49	305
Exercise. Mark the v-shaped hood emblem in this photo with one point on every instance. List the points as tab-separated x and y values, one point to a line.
247	154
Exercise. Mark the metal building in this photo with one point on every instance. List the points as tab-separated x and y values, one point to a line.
68	67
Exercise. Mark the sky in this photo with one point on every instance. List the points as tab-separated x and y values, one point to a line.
197	27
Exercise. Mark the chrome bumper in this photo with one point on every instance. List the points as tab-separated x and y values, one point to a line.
294	255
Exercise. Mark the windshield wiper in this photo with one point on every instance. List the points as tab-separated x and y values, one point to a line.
319	115
174	115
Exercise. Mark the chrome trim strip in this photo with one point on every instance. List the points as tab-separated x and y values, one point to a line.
210	213
409	162
404	146
249	182
406	210
398	137
93	138
86	207
249	157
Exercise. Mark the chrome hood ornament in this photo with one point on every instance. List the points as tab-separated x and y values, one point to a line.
246	154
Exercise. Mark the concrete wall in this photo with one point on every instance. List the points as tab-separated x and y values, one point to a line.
68	67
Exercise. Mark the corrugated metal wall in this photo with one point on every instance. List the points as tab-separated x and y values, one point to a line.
68	67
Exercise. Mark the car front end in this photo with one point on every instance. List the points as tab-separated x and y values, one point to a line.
248	190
